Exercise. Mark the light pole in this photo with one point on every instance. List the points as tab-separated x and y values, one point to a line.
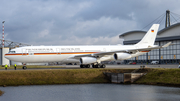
3	34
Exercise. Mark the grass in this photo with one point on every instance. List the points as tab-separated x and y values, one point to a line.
161	76
55	76
31	66
83	76
1	92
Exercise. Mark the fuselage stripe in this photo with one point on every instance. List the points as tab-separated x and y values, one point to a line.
15	54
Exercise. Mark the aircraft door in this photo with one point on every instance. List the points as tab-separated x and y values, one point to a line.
58	51
24	52
104	49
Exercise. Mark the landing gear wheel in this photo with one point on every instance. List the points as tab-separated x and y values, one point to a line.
24	67
87	66
98	66
103	66
93	66
84	66
81	66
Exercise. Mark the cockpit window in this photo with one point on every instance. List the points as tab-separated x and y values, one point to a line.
12	52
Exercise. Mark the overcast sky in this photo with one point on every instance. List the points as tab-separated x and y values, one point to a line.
78	22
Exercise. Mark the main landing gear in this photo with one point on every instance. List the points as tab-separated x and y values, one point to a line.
85	66
98	66
93	66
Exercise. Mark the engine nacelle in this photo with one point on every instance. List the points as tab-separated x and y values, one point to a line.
122	56
87	60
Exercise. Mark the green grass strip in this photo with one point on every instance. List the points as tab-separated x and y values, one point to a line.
83	76
1	92
32	66
161	76
54	76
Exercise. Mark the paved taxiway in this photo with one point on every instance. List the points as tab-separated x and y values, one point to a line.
107	66
119	66
129	66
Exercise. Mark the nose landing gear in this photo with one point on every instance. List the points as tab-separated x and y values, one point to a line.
24	66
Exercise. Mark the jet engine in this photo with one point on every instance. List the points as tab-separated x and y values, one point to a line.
87	60
122	56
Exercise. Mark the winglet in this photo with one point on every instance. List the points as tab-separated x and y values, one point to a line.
166	45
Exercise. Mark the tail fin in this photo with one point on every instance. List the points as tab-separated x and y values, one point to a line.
150	36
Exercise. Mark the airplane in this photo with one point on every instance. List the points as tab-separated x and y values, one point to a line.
85	55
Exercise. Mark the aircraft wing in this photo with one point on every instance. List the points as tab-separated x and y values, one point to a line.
101	54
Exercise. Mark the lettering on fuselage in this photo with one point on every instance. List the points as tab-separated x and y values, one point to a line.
34	50
40	50
70	48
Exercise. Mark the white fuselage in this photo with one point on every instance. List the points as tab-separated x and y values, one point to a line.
37	54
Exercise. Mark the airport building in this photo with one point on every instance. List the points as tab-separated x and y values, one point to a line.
6	45
169	55
5	49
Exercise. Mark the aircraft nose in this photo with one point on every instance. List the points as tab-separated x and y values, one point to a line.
6	56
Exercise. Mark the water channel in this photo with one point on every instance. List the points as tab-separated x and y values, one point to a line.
90	92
